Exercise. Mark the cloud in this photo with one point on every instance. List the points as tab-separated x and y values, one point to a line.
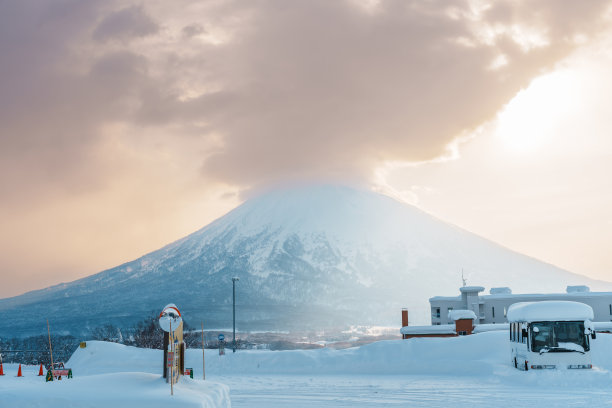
124	25
274	90
158	100
325	89
192	30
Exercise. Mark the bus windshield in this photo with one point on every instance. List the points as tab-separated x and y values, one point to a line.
558	337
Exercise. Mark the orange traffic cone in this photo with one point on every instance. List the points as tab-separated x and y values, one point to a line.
1	369
19	372
40	372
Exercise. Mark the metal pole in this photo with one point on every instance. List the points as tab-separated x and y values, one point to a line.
203	366
234	310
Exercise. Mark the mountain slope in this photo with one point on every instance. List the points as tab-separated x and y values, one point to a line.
307	258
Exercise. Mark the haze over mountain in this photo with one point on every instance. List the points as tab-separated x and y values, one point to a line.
311	258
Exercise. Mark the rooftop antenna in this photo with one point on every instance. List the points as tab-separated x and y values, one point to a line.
462	278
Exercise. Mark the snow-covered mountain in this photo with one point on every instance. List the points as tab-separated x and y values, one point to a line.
308	258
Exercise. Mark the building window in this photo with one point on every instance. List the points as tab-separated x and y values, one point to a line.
436	312
493	312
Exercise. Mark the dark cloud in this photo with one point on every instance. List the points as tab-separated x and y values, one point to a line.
125	24
193	30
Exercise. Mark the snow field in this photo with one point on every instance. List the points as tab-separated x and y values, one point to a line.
435	372
122	388
485	355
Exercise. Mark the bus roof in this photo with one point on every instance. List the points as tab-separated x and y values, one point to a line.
549	310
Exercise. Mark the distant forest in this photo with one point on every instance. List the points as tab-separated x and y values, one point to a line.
145	334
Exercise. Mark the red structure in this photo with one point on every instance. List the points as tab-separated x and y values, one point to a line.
463	326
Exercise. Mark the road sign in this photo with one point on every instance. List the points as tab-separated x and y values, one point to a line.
170	317
221	337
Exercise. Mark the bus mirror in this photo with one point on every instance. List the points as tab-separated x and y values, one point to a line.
593	335
524	332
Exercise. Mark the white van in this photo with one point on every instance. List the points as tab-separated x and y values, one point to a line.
550	334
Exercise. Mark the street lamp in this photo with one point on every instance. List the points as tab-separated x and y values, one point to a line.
234	280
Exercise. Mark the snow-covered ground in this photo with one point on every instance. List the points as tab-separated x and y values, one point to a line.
463	371
124	387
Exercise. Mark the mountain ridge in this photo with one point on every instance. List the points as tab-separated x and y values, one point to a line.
308	258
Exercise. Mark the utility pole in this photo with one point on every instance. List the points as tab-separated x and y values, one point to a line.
234	280
203	366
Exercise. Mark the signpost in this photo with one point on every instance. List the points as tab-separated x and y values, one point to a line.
171	322
221	338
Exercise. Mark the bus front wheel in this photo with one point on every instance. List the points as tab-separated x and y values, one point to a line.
515	363
526	367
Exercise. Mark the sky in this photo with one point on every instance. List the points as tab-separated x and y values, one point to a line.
128	125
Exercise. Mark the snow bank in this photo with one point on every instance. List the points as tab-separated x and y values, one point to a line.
110	375
117	390
474	355
549	310
458	355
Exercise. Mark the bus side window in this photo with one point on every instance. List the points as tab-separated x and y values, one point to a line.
527	340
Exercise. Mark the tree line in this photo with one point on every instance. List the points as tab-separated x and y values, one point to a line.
144	334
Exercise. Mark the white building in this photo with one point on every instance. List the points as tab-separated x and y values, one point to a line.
492	308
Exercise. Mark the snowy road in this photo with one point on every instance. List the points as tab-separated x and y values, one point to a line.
403	391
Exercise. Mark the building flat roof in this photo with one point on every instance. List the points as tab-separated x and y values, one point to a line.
534	296
437	329
487	327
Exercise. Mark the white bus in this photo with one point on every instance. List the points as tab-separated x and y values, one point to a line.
550	334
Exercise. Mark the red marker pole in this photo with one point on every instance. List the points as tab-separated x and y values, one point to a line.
171	340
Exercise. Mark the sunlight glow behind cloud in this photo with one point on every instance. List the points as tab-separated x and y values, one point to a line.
529	121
